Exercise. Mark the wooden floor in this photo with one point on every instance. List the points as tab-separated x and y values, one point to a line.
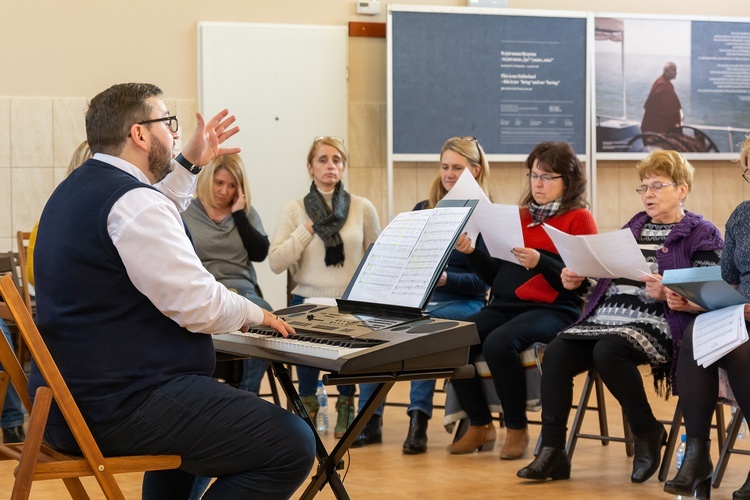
383	472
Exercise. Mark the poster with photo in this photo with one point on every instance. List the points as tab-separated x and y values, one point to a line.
671	84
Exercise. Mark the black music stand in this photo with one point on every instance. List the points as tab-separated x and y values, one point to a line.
327	463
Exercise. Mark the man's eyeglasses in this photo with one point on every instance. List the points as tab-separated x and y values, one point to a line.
746	174
172	123
654	186
545	178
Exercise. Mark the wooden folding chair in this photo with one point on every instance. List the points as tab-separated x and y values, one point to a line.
594	383
674	433
22	238
37	461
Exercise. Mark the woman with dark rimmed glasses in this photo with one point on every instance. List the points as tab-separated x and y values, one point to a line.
528	303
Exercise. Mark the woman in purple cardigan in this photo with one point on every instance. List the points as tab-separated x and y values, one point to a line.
628	323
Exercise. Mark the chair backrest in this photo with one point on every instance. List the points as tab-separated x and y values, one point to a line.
9	265
22	238
36	460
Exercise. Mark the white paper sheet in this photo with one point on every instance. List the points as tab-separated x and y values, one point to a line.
501	229
606	255
467	188
500	225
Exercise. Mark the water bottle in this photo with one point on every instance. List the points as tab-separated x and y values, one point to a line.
322	419
743	431
680	453
679	456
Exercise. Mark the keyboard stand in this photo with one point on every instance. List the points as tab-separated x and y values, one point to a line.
326	473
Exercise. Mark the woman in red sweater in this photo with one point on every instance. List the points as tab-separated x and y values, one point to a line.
528	302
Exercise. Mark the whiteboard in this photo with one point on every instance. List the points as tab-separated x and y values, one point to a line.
287	84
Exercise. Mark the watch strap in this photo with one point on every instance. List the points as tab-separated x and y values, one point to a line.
193	169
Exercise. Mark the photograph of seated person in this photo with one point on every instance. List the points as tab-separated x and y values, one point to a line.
459	293
126	309
629	323
699	402
228	236
528	303
320	241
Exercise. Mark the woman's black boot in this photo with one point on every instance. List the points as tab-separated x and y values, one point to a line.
694	475
371	434
743	492
648	453
416	439
551	463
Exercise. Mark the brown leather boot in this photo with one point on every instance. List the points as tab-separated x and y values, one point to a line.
516	444
478	437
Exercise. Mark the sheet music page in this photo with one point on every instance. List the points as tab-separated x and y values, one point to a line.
467	188
718	332
404	259
616	254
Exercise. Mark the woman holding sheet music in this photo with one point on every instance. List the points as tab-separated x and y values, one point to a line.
459	293
528	303
699	402
628	323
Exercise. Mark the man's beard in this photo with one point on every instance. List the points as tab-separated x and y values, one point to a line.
159	161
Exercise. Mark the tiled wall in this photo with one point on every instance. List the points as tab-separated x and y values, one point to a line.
38	135
37	138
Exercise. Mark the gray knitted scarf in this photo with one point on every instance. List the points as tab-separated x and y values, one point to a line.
327	223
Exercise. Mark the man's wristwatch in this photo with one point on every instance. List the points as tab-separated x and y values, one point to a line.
193	169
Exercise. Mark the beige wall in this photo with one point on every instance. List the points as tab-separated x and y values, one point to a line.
57	54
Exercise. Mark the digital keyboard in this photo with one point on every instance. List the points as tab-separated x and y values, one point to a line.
350	343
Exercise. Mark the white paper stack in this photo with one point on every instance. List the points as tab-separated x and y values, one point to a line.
717	333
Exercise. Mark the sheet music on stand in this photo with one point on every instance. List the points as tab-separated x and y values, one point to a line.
402	267
717	333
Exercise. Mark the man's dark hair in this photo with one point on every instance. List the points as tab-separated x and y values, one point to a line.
112	112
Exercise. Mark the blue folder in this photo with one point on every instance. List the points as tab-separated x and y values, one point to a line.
703	286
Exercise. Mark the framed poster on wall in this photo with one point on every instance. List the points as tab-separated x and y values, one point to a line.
510	78
671	83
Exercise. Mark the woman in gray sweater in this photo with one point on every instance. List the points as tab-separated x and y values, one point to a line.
228	237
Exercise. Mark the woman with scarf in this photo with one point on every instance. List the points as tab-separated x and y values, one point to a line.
629	323
320	240
528	302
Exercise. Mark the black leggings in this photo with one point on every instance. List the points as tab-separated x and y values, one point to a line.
700	386
617	363
504	335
